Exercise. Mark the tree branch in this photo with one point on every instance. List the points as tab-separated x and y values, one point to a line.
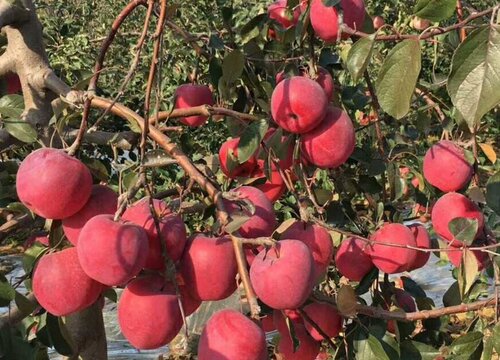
204	110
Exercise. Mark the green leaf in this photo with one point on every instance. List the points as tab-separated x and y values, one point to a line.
435	10
54	326
360	55
452	296
12	106
488	348
250	140
468	271
331	3
398	77
24	304
7	292
493	192
233	65
21	130
414	350
370	349
496	337
475	77
466	345
464	229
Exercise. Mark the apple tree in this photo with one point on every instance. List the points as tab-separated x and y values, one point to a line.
305	155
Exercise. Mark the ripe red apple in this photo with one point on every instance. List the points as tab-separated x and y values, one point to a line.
189	303
172	228
229	334
61	286
419	23
450	206
390	259
483	260
41	239
282	277
351	260
239	170
112	252
267	323
13	84
298	104
208	267
53	184
423	241
326	317
325	19
404	301
148	312
279	12
103	200
378	22
319	242
331	143
190	95
446	167
272	188
308	347
323	78
263	221
279	319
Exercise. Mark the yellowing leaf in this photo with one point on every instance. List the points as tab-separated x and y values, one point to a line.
489	152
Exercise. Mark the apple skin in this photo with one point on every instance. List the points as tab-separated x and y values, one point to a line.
148	312
423	240
330	144
112	252
278	12
351	260
273	188
308	348
323	78
319	242
13	84
279	319
404	301
419	23
378	22
450	206
326	317
172	229
267	323
189	303
446	167
229	334
282	277
483	261
53	184
263	221
241	170
390	259
208	267
103	200
61	286
298	104
325	20
190	95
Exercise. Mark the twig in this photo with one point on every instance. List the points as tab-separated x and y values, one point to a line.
245	278
204	110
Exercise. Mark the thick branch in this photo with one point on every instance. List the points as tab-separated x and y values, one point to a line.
10	14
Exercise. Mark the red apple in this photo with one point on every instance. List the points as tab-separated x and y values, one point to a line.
391	259
13	84
61	286
423	241
319	242
280	322
41	239
267	323
53	184
419	23
446	167
148	312
190	95
172	229
308	347
282	277
404	301
208	267
263	221
298	104
279	12
229	334
450	206
325	19
331	143
103	200
189	303
273	188
323	78
455	257
351	259
378	22
112	252
326	317
239	170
